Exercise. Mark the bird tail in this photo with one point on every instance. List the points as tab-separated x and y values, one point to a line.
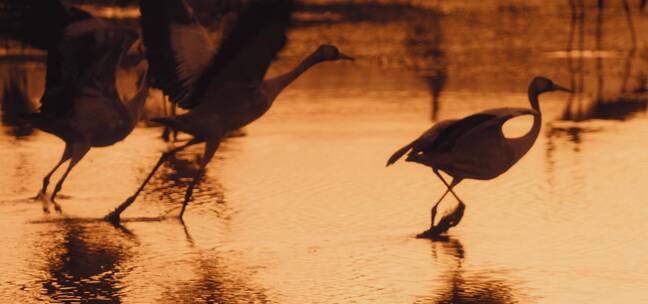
398	154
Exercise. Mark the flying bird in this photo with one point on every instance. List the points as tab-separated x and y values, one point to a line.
223	88
80	104
474	147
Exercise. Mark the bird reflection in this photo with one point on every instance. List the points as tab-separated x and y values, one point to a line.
576	31
176	175
424	42
462	287
16	101
84	265
620	105
218	280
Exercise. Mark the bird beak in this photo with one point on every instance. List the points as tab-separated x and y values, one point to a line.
346	57
559	88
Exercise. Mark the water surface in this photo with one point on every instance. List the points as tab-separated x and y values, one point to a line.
302	210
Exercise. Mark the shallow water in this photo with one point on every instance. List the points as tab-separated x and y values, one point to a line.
302	210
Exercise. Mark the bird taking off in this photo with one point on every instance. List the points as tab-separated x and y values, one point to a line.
80	104
474	147
224	89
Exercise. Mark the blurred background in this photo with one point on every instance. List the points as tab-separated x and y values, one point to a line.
299	209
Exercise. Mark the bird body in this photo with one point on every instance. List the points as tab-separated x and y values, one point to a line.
246	102
80	104
98	117
95	119
475	147
227	93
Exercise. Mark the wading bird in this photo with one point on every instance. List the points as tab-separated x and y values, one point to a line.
225	90
81	104
474	147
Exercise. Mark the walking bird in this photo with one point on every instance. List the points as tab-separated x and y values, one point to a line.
80	104
474	147
223	90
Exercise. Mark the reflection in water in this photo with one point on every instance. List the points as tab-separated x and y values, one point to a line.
85	262
215	281
319	13
462	287
16	101
576	74
174	177
424	43
605	105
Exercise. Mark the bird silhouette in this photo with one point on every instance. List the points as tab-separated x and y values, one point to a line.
223	90
474	147
80	104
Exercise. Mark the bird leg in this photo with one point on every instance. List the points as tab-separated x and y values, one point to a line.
174	131
455	181
67	153
210	148
448	221
114	215
78	151
434	209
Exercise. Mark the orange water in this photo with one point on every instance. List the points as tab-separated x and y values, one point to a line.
302	210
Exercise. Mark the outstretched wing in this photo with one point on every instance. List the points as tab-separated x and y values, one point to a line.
177	46
38	23
81	50
42	24
246	53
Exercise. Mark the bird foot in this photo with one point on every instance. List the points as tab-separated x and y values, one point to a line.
42	196
39	196
448	221
113	217
57	207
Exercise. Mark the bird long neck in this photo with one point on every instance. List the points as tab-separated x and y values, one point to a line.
522	145
274	86
135	106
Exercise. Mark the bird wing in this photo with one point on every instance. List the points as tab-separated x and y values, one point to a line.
499	117
81	50
423	142
245	54
42	24
109	44
508	113
443	136
491	130
38	23
177	46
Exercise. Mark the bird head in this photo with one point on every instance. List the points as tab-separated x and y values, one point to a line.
327	52
541	84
